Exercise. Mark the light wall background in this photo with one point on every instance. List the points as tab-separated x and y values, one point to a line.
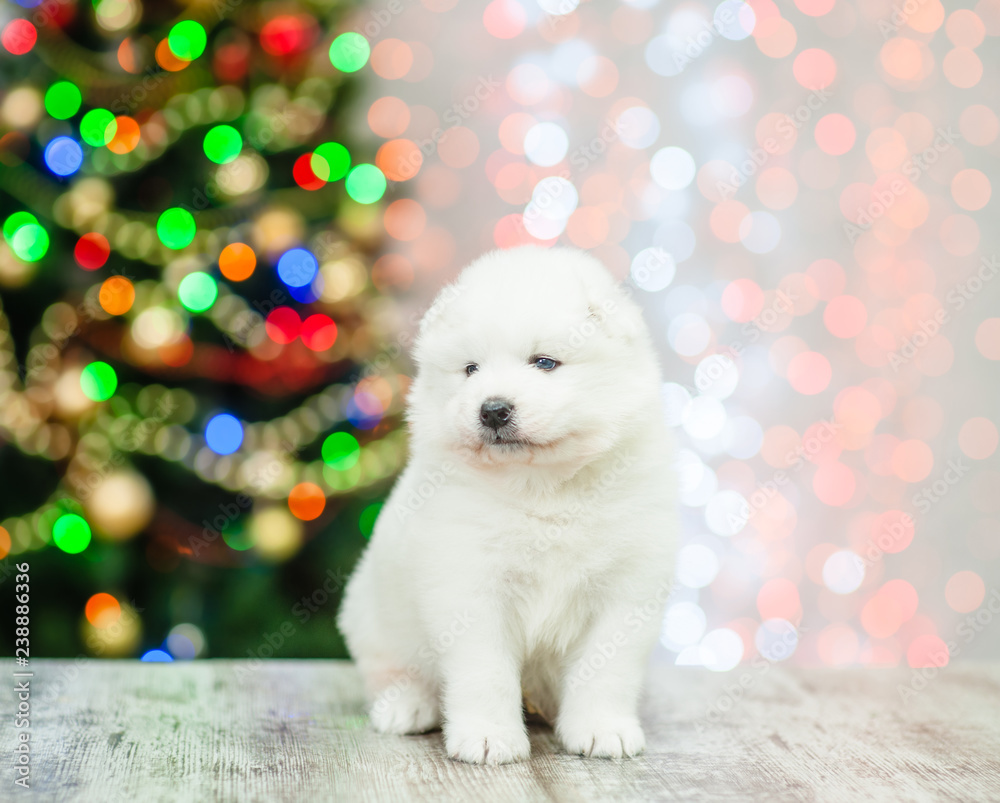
800	196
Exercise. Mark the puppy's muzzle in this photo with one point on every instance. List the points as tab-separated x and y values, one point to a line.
495	413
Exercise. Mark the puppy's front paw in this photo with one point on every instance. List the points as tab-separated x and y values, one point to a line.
603	738
486	742
411	710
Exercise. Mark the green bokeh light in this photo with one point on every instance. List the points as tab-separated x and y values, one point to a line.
223	143
176	228
349	52
366	522
187	40
30	242
197	291
98	127
365	184
237	537
330	161
71	533
341	451
14	222
62	100
98	381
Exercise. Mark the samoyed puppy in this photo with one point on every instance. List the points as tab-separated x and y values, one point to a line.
526	552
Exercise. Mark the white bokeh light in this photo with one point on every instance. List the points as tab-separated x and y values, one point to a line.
689	334
705	418
552	202
558	7
731	95
734	19
653	269
697	566
776	639
546	144
555	197
727	513
721	650
696	482
638	127
672	168
683	624
676	400
760	232
567	58
843	572
717	376
745	437
664	58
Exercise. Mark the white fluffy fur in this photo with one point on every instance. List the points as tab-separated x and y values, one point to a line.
540	567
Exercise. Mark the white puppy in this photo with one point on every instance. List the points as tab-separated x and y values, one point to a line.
528	546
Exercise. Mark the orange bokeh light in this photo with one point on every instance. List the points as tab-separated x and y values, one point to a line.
102	610
117	295
306	501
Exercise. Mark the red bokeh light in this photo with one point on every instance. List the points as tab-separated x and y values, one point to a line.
283	325
318	332
92	251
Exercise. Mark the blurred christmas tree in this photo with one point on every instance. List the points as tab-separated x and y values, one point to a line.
193	436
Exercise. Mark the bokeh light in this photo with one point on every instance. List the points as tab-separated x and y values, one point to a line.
63	99
366	184
176	228
187	40
71	533
306	501
223	433
197	291
117	295
99	381
222	144
63	156
237	262
349	52
341	451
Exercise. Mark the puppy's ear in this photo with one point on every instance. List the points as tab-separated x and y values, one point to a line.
438	306
611	309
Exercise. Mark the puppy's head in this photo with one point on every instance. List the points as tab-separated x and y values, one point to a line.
532	356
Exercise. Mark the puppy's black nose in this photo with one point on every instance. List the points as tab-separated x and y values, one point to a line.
495	413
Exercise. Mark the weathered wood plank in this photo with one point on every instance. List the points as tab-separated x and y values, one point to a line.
296	730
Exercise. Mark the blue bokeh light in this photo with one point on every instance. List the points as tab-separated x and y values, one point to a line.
309	293
63	156
224	434
157	656
297	267
362	415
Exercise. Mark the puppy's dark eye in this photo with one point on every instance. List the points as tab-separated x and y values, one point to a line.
471	368
545	363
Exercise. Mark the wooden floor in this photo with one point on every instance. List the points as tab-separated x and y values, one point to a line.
296	730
